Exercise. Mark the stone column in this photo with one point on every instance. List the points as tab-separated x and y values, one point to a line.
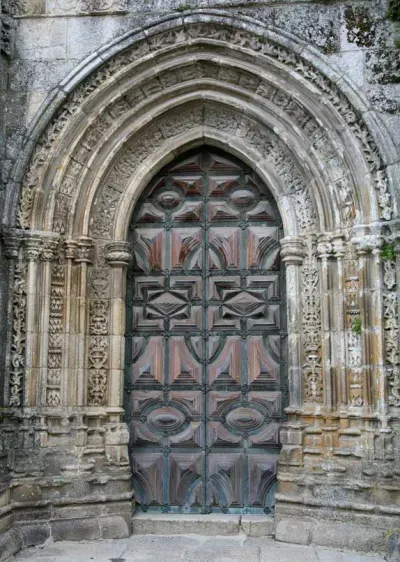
48	391
84	257
339	321
324	252
118	256
33	246
69	383
292	253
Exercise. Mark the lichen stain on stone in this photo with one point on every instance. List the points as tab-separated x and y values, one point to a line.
361	28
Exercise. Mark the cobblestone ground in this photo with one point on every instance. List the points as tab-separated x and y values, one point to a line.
187	548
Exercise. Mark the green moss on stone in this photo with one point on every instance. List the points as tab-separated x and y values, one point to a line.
356	327
360	27
394	10
388	252
183	7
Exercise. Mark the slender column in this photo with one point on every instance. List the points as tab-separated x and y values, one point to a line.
33	244
118	256
324	252
377	336
292	253
68	383
84	255
340	324
363	262
48	254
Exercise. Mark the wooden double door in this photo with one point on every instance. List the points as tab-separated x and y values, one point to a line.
205	383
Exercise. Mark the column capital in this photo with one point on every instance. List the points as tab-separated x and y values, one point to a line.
293	250
33	242
324	245
70	249
12	238
119	253
50	243
84	251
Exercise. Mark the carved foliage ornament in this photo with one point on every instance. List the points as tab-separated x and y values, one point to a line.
98	338
311	304
53	133
18	333
391	319
54	361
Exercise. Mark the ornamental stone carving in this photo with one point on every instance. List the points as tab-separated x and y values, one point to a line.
119	254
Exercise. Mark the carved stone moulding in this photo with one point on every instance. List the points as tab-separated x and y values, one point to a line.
261	43
119	254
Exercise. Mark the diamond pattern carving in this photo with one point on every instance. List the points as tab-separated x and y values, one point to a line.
205	315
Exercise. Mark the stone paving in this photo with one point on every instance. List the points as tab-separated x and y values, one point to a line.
187	548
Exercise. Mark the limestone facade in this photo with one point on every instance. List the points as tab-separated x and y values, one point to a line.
98	97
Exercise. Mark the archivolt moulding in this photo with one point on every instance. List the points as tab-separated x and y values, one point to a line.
249	58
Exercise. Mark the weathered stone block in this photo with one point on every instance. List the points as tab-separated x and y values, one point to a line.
293	529
393	546
115	527
10	543
75	529
258	525
33	534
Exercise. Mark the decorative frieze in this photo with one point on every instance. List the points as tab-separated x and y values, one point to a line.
390	272
98	337
54	360
313	386
17	362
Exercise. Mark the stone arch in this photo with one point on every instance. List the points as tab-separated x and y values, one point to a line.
275	103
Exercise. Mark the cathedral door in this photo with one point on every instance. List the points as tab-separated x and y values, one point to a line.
205	383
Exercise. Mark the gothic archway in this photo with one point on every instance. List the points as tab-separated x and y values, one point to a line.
274	103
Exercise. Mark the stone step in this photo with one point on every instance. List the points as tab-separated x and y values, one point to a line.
208	525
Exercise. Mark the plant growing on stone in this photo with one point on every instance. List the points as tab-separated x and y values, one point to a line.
356	327
388	253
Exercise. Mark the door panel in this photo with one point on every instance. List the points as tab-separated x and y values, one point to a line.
205	373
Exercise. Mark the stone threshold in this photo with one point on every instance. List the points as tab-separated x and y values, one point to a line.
208	525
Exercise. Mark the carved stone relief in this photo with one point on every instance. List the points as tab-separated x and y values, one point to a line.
121	62
56	329
313	386
17	369
98	340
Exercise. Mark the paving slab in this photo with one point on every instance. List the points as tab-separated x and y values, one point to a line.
325	555
237	554
187	548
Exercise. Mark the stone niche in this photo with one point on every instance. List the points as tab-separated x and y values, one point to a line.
274	102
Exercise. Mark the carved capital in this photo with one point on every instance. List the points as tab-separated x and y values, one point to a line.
367	239
70	249
49	247
367	243
119	254
84	252
338	246
293	250
33	245
325	246
12	242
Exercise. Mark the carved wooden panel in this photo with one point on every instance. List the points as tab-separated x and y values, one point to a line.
205	376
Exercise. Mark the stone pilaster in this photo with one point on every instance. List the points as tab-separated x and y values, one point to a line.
84	257
292	253
118	256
